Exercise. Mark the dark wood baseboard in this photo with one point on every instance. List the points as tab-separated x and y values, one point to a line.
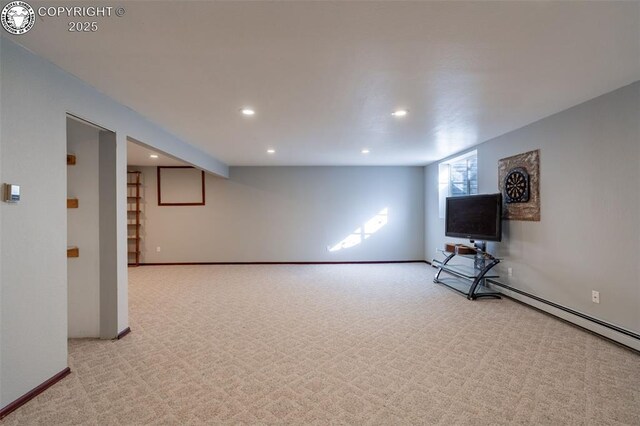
357	262
33	393
123	333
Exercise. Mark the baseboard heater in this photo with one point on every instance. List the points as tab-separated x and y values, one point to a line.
610	331
345	262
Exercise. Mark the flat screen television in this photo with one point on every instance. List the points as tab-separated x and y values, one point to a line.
476	217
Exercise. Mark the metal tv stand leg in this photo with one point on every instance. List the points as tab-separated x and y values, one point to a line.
436	278
480	279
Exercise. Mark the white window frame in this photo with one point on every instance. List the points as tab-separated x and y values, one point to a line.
444	178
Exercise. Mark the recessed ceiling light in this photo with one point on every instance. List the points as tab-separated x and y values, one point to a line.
271	151
365	151
400	113
153	156
247	111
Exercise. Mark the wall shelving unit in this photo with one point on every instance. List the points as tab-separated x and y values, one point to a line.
134	224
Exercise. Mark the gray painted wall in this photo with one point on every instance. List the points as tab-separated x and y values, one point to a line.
289	214
589	234
36	96
83	231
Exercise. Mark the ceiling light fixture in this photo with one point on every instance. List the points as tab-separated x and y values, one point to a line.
247	111
271	151
153	156
400	113
365	151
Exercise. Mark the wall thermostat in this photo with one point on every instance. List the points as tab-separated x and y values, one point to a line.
11	193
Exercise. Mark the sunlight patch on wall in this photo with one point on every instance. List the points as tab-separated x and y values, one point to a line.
372	226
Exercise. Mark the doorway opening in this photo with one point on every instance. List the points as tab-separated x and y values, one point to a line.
91	230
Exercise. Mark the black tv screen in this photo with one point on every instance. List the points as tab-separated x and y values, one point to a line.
476	217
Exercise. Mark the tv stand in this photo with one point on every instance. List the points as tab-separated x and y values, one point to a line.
465	278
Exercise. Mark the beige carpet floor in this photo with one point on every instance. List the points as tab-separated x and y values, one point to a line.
339	344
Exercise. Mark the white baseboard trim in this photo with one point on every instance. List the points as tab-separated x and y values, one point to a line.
610	331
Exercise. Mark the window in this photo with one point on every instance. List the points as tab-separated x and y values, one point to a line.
457	176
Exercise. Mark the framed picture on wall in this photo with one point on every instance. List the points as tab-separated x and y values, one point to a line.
519	183
180	186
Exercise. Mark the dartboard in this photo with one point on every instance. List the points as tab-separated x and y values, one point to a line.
516	186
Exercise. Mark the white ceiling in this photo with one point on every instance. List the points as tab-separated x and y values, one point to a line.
324	77
139	155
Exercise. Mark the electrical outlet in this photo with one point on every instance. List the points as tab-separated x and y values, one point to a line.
595	296
158	249
510	272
